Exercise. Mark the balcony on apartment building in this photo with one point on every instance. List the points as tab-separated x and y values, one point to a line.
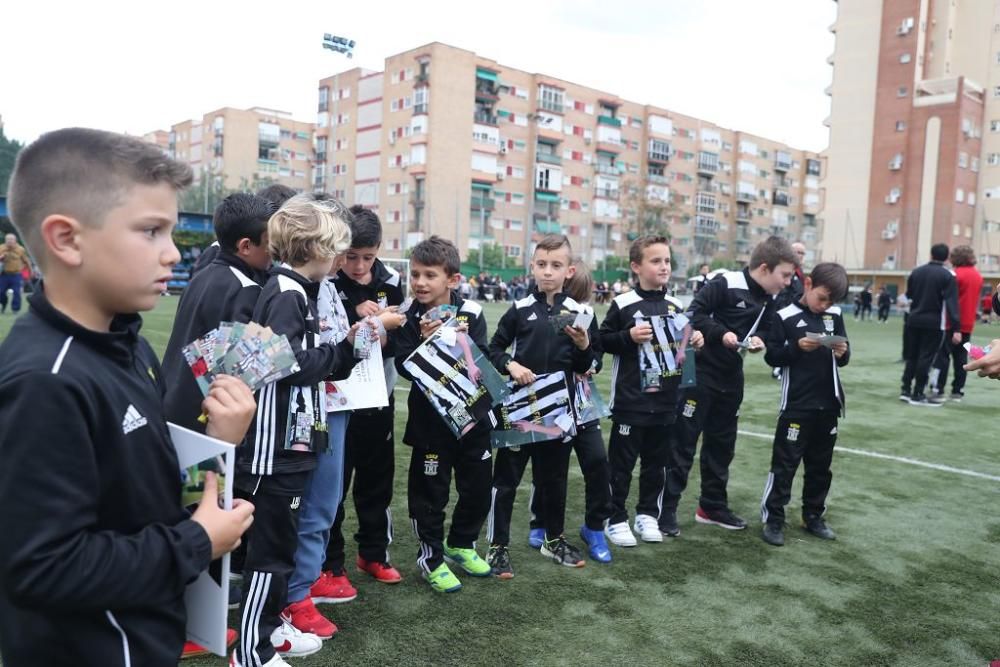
485	117
609	120
543	225
744	215
606	168
417	200
659	179
482	202
743	195
487	90
659	151
606	193
548	158
782	161
780	198
708	164
320	156
705	226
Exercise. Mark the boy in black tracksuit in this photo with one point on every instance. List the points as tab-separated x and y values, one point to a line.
732	312
647	333
97	550
812	397
369	287
538	349
436	452
273	468
225	291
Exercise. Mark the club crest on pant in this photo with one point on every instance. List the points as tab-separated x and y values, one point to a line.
793	432
689	407
296	501
624	429
431	465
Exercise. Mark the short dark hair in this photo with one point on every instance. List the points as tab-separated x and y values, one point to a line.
963	255
772	251
553	242
437	251
241	216
833	277
580	287
277	194
643	242
939	252
83	173
366	228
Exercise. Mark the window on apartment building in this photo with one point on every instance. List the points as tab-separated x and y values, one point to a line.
995	126
963	160
959	195
996	91
900	125
902	91
974	164
904	58
993	159
420	100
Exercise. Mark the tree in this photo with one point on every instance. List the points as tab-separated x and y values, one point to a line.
210	190
646	207
492	256
9	149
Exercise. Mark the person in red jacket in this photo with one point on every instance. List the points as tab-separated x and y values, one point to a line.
970	286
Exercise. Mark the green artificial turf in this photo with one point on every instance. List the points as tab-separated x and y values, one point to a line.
913	579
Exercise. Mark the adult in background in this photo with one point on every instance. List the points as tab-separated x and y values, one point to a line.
13	258
866	302
933	295
884	304
970	285
702	277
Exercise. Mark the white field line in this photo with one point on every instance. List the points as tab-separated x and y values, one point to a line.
865	452
889	457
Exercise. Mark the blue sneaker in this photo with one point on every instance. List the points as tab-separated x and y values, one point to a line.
535	538
597	546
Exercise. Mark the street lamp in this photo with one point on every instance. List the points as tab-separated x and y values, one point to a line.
344	46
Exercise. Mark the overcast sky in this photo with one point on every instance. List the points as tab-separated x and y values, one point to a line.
754	65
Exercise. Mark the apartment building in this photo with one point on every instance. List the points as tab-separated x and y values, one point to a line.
247	147
444	141
914	155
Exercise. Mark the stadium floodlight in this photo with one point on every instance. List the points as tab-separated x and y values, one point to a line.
339	44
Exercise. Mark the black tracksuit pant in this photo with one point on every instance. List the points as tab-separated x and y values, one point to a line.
369	457
628	443
589	447
959	357
921	347
552	461
269	558
428	487
811	441
713	415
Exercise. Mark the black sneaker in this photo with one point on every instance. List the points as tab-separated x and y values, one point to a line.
905	395
724	518
921	400
956	397
498	558
818	527
668	523
563	552
773	534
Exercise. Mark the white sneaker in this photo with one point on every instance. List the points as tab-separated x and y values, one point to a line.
291	642
620	534
276	661
648	528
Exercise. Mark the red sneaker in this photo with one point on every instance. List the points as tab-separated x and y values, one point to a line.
332	589
192	650
383	572
304	617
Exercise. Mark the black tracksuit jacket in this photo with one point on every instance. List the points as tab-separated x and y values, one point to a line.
629	404
810	382
225	291
287	304
732	301
526	330
933	294
96	549
423	423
